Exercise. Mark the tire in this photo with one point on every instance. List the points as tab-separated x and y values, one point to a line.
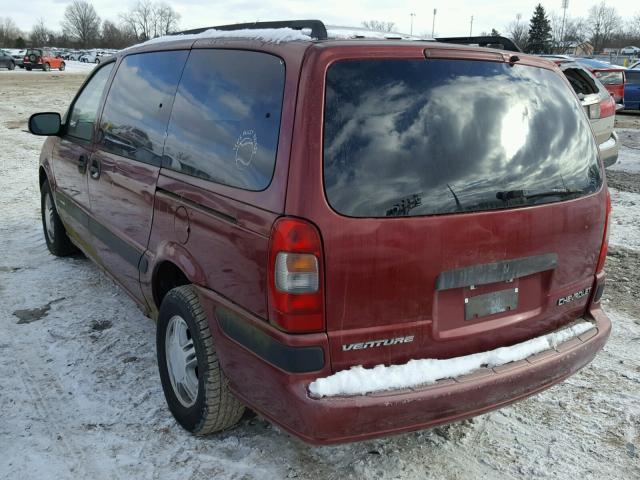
55	234
62	66
46	67
212	407
12	66
28	69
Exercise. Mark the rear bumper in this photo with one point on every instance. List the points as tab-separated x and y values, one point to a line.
283	397
609	150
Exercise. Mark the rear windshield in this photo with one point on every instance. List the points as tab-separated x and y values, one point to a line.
610	78
34	51
424	137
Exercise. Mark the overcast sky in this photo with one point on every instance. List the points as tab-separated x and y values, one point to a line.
452	18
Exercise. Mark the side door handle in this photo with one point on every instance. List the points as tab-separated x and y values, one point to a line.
82	164
94	168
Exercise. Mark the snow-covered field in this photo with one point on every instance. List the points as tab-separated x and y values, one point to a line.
80	396
71	67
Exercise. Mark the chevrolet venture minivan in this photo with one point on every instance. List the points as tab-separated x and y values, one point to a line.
295	209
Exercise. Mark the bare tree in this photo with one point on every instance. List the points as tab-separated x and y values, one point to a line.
81	22
166	19
574	31
40	34
602	22
8	31
518	31
379	26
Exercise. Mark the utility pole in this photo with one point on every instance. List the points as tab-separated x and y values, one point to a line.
565	5
411	15
471	27
433	25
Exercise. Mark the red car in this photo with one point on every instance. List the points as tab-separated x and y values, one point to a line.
352	237
612	77
42	58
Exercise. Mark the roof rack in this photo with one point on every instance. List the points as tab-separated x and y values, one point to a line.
483	41
317	28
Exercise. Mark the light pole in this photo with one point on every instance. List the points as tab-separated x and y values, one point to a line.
565	5
433	25
471	27
411	15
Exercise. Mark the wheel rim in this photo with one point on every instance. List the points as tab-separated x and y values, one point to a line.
49	215
182	363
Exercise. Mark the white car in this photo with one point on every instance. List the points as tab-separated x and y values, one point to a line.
630	51
635	65
91	57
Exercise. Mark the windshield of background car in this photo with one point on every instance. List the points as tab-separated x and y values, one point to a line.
424	137
610	78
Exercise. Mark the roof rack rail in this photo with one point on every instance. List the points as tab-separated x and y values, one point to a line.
483	41
318	30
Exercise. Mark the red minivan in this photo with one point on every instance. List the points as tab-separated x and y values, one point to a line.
352	237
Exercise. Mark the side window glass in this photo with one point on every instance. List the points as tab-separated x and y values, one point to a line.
225	120
85	110
137	109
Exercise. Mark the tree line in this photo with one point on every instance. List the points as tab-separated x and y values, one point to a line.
603	27
82	27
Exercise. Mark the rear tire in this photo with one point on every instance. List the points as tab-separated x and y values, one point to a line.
28	69
46	67
12	66
195	387
55	234
62	66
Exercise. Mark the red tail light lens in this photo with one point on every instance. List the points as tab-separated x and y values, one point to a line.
607	107
605	239
296	296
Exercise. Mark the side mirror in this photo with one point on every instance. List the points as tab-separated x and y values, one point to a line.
47	123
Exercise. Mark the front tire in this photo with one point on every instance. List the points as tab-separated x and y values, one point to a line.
62	66
195	387
55	234
46	67
12	66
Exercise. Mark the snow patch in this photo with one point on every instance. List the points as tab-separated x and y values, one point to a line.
267	35
628	153
359	380
625	219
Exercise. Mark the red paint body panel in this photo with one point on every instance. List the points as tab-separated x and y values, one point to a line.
380	274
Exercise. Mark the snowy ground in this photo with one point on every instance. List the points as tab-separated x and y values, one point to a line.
80	395
71	67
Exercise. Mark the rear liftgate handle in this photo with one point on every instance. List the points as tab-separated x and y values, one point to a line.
94	169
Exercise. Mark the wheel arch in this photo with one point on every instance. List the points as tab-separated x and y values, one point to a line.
174	267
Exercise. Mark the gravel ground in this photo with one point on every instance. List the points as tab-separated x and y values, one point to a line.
80	395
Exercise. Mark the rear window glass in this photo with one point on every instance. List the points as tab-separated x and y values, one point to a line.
610	78
225	121
424	137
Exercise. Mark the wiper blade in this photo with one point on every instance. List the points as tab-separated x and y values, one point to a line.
523	194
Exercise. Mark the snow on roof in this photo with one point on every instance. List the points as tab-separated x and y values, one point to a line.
346	33
359	380
267	35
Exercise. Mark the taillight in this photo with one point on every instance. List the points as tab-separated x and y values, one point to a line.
607	107
296	299
605	239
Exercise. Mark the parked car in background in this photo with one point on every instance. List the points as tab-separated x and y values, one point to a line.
6	60
18	56
611	76
42	58
598	105
288	209
93	56
630	51
75	55
632	90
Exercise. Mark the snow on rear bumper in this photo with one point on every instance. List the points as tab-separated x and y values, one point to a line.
340	419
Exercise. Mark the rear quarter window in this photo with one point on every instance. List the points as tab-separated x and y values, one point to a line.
633	78
225	121
610	78
425	137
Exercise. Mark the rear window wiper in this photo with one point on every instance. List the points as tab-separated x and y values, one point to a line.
524	194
